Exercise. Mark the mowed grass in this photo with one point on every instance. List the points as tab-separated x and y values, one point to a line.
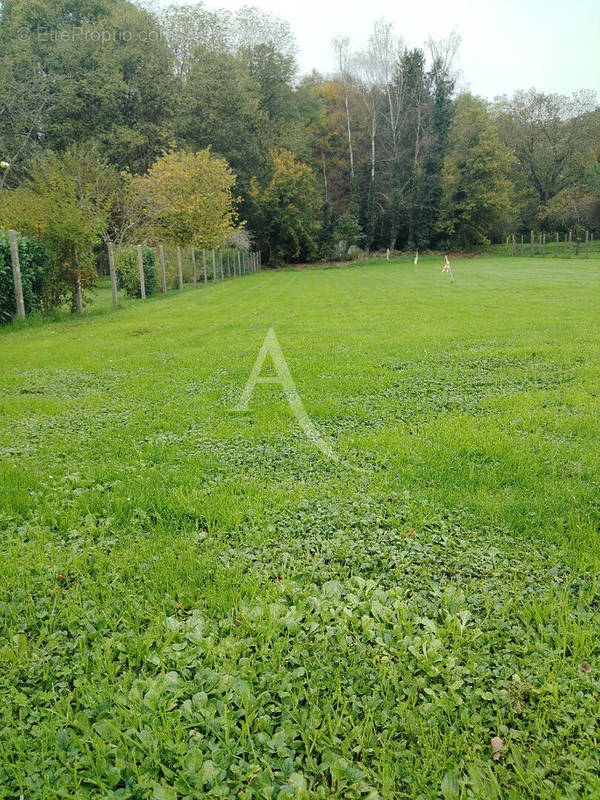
195	602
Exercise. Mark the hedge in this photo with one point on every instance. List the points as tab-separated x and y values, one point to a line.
128	274
36	264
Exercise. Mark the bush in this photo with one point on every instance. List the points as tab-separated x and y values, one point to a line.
354	252
36	264
347	228
128	274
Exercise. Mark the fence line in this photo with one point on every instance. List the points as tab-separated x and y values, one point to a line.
223	267
551	244
230	259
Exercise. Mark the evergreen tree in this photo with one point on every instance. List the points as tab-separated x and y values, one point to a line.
476	189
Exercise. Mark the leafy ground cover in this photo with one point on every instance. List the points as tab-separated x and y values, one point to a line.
194	602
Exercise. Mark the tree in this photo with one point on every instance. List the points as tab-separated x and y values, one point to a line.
550	135
341	45
65	204
327	136
189	200
220	88
95	72
192	28
370	77
287	208
442	81
573	208
476	188
397	152
25	94
417	99
388	51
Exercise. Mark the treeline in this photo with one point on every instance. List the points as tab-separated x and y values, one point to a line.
383	153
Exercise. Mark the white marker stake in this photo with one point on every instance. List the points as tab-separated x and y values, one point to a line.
416	259
271	347
447	268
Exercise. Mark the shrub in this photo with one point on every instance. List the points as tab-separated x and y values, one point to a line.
36	266
347	229
128	274
64	205
239	239
354	252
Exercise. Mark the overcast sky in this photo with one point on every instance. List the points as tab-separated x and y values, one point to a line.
553	45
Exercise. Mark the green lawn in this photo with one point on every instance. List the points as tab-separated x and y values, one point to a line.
195	602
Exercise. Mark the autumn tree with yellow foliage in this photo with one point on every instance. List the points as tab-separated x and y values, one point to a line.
188	199
286	209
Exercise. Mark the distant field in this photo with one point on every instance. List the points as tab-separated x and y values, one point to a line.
195	602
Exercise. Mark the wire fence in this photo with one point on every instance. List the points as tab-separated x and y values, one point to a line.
178	266
555	243
171	268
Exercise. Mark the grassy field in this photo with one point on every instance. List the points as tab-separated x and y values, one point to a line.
195	602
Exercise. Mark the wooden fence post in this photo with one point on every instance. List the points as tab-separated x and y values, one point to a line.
512	244
521	253
204	276
194	276
140	256
179	268
16	271
79	296
214	265
163	269
113	274
531	241
221	263
556	244
570	241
